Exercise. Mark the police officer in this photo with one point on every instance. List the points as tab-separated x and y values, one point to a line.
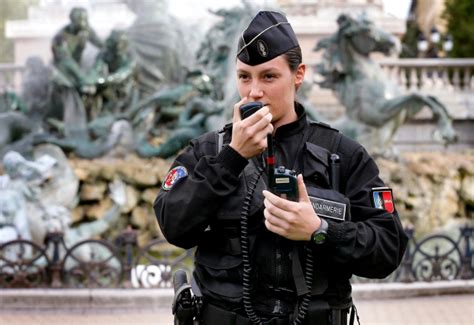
301	254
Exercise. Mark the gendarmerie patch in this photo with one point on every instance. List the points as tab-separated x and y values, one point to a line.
174	175
328	208
382	198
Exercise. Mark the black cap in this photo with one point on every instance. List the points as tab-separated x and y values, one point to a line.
268	35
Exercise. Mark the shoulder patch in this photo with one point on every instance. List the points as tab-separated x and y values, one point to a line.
382	198
174	175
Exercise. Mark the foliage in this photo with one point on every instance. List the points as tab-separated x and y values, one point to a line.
11	9
458	14
409	40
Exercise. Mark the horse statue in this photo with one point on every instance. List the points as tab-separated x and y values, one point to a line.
375	106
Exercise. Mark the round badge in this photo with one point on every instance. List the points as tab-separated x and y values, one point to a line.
174	175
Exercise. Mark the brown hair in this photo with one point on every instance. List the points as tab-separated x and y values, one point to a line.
294	58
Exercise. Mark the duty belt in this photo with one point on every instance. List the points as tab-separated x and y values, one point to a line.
214	315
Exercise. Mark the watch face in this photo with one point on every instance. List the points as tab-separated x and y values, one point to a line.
319	238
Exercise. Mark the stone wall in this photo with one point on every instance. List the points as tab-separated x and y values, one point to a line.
143	179
430	189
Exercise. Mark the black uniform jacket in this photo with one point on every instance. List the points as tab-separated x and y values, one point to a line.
203	209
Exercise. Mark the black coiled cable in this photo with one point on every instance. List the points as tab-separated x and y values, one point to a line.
309	267
246	278
244	243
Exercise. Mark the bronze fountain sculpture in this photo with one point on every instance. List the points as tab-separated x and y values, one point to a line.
375	107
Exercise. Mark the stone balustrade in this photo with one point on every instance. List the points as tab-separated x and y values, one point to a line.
451	81
454	75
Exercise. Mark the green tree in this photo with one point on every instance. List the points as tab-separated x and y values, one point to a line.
410	39
9	10
458	14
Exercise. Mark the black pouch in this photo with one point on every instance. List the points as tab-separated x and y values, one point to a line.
218	273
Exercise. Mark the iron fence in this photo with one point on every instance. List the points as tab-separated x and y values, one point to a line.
124	264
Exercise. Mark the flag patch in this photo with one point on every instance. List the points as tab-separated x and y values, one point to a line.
382	198
174	175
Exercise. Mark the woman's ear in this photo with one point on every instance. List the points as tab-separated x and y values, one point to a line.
299	75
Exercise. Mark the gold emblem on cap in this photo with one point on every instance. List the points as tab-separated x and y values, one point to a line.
262	48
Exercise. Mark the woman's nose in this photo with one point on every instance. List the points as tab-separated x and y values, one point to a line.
255	91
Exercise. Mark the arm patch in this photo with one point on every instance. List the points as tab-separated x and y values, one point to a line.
174	175
382	198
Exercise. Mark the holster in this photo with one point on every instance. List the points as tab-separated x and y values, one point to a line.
319	312
187	302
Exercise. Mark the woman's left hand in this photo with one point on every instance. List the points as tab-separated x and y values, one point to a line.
292	220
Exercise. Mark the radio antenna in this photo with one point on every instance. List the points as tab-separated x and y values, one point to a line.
270	160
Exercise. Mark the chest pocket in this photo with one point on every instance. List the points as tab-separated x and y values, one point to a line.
326	202
316	165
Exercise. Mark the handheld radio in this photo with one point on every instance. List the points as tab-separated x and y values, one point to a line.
281	181
248	109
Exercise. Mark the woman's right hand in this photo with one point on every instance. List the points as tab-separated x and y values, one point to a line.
249	136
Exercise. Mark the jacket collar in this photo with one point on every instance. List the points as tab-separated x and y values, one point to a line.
295	127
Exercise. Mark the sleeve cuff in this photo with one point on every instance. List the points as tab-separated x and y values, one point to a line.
231	160
336	232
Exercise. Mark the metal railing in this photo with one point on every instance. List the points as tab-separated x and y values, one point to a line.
436	257
123	264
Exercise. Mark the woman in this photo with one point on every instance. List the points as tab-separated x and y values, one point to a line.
261	258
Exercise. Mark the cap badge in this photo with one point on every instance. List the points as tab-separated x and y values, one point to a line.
262	48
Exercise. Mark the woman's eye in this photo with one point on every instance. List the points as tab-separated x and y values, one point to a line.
269	76
243	76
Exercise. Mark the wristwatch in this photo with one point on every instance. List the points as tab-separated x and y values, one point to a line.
319	236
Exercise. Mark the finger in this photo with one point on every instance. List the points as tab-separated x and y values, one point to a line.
236	117
269	195
270	129
274	210
303	193
277	201
273	228
262	124
262	128
257	116
273	220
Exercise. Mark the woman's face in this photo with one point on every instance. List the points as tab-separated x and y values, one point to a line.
272	83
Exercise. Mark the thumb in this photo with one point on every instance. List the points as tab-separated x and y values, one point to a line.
302	193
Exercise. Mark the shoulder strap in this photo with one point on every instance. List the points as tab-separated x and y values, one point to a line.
219	141
328	138
220	138
325	136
